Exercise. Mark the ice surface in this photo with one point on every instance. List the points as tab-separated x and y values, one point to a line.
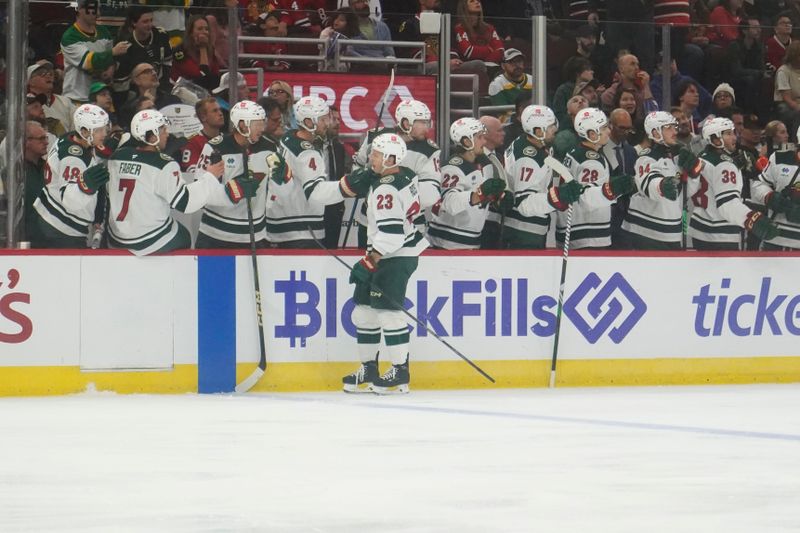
710	459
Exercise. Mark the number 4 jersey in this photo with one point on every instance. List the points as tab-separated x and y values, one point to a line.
719	213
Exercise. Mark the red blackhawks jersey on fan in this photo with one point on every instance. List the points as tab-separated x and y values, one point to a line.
299	14
192	153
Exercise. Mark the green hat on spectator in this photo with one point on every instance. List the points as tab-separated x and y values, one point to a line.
96	87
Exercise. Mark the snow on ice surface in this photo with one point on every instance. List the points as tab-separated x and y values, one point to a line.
704	459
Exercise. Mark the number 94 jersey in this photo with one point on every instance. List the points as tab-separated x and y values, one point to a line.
718	212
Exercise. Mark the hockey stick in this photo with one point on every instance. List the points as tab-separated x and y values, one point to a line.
253	378
377	127
564	172
409	315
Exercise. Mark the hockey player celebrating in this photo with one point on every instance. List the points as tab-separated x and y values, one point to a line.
72	174
654	217
591	219
381	277
719	212
297	206
225	220
778	188
531	180
146	183
467	189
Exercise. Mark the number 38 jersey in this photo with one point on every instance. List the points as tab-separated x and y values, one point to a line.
392	205
68	210
718	213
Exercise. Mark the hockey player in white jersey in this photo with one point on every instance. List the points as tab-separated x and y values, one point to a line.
655	213
245	153
591	217
719	213
73	174
146	183
531	181
296	208
381	277
468	187
413	123
778	188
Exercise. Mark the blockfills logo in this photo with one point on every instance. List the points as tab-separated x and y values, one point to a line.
605	305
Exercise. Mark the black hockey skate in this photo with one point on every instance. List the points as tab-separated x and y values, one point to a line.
362	379
394	381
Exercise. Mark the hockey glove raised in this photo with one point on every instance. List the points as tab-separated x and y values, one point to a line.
357	183
93	178
619	186
489	191
565	194
279	171
670	187
241	187
760	226
363	270
689	163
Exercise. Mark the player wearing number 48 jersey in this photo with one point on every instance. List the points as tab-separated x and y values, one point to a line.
145	184
719	213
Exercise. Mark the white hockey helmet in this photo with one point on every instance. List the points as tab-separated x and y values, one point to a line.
312	107
537	116
656	121
589	119
89	117
714	127
147	121
466	128
246	111
390	144
411	110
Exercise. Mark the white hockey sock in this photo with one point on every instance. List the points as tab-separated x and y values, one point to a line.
368	332
395	333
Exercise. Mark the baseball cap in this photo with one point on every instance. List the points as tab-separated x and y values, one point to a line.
510	54
31	98
86	4
223	83
96	87
42	63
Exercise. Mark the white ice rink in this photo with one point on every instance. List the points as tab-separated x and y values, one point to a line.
712	459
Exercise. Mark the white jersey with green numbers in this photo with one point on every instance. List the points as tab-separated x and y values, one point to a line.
393	204
649	213
67	209
529	179
142	188
297	208
783	171
222	219
591	214
458	225
719	213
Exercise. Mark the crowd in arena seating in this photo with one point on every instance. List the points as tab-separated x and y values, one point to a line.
733	59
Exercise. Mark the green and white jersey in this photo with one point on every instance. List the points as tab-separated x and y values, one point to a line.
393	204
719	212
529	179
591	214
458	225
143	187
66	208
780	174
84	55
222	219
296	208
649	213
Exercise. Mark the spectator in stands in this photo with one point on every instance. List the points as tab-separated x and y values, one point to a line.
630	76
776	136
58	109
513	128
34	107
787	88
686	136
194	59
626	100
210	116
340	25
269	27
35	151
627	32
495	136
504	88
590	91
171	16
336	161
576	70
677	14
147	45
144	81
724	21
298	17
273	128
100	95
675	81
409	31
780	41
222	94
598	55
217	17
687	97
282	92
369	30
88	52
619	152
746	61
566	138
475	38
724	99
